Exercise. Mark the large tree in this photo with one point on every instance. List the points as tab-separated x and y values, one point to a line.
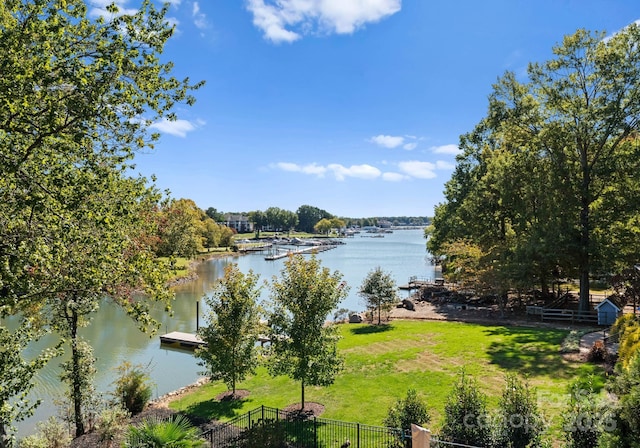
308	217
303	344
548	180
78	97
233	327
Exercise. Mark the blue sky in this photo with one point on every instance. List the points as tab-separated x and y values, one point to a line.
352	106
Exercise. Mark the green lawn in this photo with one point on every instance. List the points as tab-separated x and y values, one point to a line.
382	362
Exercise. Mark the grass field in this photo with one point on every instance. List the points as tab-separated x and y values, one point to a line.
382	362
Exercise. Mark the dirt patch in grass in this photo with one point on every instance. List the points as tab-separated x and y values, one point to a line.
230	396
310	410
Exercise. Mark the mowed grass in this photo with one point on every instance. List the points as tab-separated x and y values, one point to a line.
383	362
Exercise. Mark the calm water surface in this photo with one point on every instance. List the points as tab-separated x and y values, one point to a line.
115	338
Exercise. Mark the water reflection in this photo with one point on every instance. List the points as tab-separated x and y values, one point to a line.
116	338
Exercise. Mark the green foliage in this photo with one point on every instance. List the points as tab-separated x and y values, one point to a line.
308	217
546	183
17	375
466	419
111	425
303	345
133	387
378	289
408	410
518	422
154	432
629	339
585	419
80	406
232	328
626	412
50	433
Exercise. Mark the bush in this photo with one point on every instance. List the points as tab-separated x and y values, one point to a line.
597	352
154	432
519	423
466	420
111	425
407	411
51	433
133	387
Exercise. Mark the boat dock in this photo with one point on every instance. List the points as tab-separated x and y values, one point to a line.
190	341
178	339
417	283
306	250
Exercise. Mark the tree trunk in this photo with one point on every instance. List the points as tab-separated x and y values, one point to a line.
302	395
583	262
76	388
5	441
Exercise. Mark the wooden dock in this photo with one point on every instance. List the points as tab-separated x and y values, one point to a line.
178	339
306	250
417	283
190	341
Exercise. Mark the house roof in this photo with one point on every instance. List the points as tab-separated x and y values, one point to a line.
613	300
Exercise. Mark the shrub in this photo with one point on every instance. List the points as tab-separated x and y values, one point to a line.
51	433
597	352
518	423
406	411
133	387
154	432
111	424
466	419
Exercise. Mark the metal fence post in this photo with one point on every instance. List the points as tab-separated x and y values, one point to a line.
315	432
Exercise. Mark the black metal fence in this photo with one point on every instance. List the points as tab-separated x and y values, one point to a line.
270	427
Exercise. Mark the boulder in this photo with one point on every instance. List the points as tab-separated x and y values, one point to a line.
408	304
355	319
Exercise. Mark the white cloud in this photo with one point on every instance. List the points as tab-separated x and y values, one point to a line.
388	141
199	18
276	18
410	146
446	149
179	128
420	170
312	168
358	171
394	177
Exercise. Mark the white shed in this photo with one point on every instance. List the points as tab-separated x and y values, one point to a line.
608	311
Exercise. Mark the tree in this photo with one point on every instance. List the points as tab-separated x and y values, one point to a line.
289	221
378	289
547	178
233	327
308	216
303	344
323	226
214	214
465	414
79	96
518	422
259	220
181	230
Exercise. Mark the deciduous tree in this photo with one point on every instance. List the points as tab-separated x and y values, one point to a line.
378	289
303	343
232	328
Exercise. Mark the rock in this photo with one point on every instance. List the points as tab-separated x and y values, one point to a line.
408	304
355	319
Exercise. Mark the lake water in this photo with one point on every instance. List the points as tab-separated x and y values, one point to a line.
115	338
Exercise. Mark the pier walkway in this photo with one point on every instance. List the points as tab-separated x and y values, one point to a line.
306	250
